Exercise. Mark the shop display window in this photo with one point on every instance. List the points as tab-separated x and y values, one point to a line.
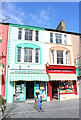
42	89
66	87
19	91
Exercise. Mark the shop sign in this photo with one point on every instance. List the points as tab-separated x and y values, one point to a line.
27	71
69	71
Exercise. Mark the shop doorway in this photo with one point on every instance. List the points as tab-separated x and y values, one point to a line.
29	90
55	90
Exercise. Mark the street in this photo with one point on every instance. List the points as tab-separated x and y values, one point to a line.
54	109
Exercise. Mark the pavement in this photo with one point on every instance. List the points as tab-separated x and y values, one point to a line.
54	109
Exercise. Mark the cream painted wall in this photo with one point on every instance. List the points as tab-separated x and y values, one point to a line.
48	45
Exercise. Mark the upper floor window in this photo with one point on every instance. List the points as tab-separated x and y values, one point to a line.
67	57
37	56
18	54
36	36
28	35
59	57
28	55
20	34
52	56
80	39
58	38
51	37
65	39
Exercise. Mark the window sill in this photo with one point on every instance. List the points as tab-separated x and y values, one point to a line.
28	63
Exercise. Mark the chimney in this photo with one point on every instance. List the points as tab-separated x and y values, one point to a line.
61	26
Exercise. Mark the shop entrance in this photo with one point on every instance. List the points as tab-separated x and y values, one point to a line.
29	90
55	89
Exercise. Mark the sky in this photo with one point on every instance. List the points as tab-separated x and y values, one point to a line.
43	14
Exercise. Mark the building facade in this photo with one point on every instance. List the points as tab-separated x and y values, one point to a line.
26	70
38	60
60	65
77	49
3	57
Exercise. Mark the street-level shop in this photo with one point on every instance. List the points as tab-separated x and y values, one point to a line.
62	82
26	83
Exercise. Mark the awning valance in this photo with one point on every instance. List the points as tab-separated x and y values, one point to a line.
57	77
29	77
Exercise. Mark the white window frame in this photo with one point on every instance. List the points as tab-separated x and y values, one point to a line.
52	57
61	57
58	38
18	55
19	33
38	56
28	35
36	35
65	39
67	59
51	37
26	55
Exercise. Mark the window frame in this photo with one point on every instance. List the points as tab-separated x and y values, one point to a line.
58	38
67	59
38	56
18	55
65	39
19	33
37	35
60	57
28	35
51	37
28	56
53	57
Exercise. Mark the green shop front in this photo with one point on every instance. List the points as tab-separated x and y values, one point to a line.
27	82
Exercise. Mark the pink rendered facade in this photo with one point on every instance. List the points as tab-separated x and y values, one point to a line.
3	54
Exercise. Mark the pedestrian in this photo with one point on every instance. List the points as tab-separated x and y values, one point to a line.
2	109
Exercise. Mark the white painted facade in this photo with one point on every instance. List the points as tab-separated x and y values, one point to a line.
54	44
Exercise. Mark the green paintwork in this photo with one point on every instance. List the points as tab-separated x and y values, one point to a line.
28	45
0	41
25	90
77	68
13	43
27	27
7	63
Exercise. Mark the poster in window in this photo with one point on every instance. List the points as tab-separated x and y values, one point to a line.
21	97
18	89
42	86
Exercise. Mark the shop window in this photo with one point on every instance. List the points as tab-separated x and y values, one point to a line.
66	87
36	36
20	34
19	91
28	35
58	38
67	57
42	89
28	55
18	54
59	57
51	37
37	56
52	56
